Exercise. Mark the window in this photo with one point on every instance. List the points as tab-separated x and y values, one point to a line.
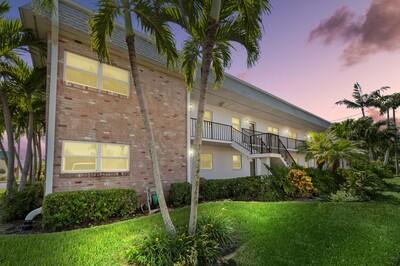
273	130
115	80
114	157
208	116
88	157
206	161
236	123
88	72
81	70
237	161
292	135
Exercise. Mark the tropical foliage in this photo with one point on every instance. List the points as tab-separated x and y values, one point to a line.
22	101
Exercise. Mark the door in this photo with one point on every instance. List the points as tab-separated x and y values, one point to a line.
253	167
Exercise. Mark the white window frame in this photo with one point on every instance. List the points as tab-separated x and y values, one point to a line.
99	75
98	167
212	161
113	157
241	162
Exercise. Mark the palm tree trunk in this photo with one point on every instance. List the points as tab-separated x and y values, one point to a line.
10	140
18	161
39	148
28	155
34	158
130	41
363	111
395	142
370	153
3	150
386	158
208	46
335	166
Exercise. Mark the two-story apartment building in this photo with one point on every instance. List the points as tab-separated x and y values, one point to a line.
99	138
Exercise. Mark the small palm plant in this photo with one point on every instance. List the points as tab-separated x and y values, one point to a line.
151	17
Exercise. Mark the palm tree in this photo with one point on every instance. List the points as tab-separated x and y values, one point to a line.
150	17
327	148
360	100
26	85
213	26
13	39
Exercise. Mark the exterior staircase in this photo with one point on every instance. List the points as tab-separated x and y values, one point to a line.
251	143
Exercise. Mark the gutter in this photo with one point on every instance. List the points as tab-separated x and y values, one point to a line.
51	114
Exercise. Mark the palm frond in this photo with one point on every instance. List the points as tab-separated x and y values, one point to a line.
4	8
151	20
191	53
102	26
348	104
41	6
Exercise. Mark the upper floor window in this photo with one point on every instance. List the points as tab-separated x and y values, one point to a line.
236	123
88	72
273	130
208	116
89	157
292	135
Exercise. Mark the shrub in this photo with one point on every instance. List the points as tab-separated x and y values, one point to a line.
344	196
213	235
71	209
324	181
257	188
302	183
21	202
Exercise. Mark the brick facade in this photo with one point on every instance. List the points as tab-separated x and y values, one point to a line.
85	114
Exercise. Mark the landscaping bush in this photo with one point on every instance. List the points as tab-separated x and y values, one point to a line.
213	236
324	181
21	202
301	182
71	209
242	188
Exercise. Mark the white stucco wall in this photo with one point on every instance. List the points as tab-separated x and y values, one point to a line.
222	162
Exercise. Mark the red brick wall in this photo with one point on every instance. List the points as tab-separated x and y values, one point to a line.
85	114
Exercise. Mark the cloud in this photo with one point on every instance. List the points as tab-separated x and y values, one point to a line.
378	30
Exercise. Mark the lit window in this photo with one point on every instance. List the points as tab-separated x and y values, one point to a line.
208	116
236	161
87	157
114	157
206	161
273	130
292	135
236	123
85	71
115	80
81	70
79	156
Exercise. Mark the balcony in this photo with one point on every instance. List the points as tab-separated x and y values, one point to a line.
223	132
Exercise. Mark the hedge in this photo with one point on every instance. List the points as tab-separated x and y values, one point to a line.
65	210
257	188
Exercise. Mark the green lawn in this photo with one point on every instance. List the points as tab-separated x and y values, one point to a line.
287	233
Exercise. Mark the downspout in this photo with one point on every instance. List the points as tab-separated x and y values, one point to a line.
51	118
188	133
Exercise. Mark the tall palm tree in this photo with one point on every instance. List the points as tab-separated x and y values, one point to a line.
213	26
360	99
150	16
13	39
26	85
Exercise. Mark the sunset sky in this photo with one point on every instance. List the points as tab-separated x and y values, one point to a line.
313	51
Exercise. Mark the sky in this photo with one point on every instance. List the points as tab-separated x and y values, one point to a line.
313	51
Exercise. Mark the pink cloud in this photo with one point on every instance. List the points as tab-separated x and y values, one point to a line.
377	31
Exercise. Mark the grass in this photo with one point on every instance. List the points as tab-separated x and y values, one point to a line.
286	233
